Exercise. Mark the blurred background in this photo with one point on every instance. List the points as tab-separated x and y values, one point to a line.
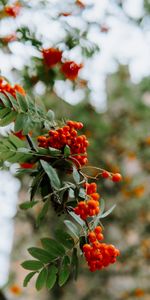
112	98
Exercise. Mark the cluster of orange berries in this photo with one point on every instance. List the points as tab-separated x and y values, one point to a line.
90	207
6	87
53	56
13	10
99	255
67	135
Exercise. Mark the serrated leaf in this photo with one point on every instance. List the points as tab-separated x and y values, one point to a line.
108	212
41	279
28	204
41	254
76	175
33	265
28	125
64	238
52	277
22	102
64	272
9	118
52	174
28	278
53	247
72	227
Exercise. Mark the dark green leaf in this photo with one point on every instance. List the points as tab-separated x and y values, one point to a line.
32	265
41	279
28	278
52	277
41	254
54	152
28	204
64	238
53	247
22	102
64	272
52	174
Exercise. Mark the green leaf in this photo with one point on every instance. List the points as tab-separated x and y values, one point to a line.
108	212
13	101
64	238
28	204
102	205
53	247
5	100
42	213
20	121
41	254
34	265
10	117
54	152
18	143
28	125
67	151
75	263
76	175
4	112
22	102
72	227
77	218
64	271
50	115
28	278
52	277
35	184
52	174
41	279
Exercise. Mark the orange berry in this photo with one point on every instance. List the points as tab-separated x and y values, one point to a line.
95	196
100	236
116	177
98	229
86	247
91	204
105	174
92	236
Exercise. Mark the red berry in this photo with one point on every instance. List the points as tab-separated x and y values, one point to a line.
116	177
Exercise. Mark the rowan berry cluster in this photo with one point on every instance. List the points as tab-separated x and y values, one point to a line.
13	10
53	56
5	87
89	207
67	135
99	255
